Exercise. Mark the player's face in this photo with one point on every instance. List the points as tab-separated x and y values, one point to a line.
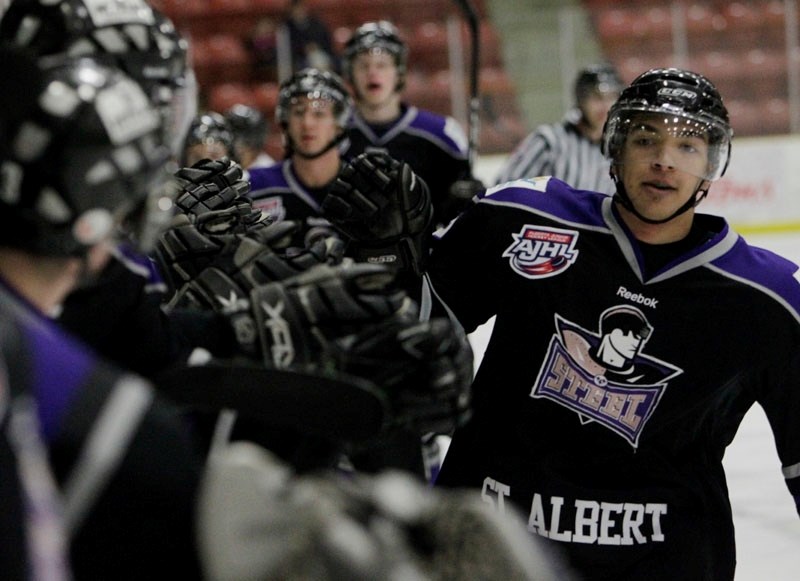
661	164
375	77
312	125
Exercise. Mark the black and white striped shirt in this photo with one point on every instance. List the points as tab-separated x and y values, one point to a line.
562	151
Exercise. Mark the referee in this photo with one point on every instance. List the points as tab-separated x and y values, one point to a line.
570	149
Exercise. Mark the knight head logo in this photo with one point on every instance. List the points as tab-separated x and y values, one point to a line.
539	252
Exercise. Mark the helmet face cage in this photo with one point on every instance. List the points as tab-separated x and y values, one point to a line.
314	85
82	160
130	35
381	36
679	103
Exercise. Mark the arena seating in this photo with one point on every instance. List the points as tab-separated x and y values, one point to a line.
218	30
740	46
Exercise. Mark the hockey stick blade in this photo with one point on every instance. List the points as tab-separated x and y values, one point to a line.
345	408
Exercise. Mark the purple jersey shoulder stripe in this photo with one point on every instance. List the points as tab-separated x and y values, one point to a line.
436	129
761	267
552	197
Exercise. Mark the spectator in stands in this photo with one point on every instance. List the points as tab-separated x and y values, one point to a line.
262	42
570	149
250	129
309	39
374	62
210	137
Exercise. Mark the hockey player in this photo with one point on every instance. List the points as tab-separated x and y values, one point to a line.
570	150
604	415
77	174
313	108
375	60
250	130
312	111
143	43
209	137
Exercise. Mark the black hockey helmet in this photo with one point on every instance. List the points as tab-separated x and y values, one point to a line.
248	124
210	127
680	98
380	36
82	156
316	85
682	102
130	35
601	77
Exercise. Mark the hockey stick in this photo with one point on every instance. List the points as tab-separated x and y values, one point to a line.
471	16
345	409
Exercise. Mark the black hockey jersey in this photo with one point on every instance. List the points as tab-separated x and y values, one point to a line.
606	397
124	460
433	145
277	191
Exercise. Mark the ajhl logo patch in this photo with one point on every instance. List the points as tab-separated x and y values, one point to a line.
539	252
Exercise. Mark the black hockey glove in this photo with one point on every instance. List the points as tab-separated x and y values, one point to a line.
425	369
261	256
299	318
384	208
461	194
350	320
214	196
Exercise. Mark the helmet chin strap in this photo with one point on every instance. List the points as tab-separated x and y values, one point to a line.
621	197
291	150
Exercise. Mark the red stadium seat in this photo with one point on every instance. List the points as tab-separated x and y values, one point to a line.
266	97
224	96
428	46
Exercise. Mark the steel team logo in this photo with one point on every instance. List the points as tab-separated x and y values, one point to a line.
603	376
539	252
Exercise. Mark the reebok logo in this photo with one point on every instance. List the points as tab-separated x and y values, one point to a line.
636	298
